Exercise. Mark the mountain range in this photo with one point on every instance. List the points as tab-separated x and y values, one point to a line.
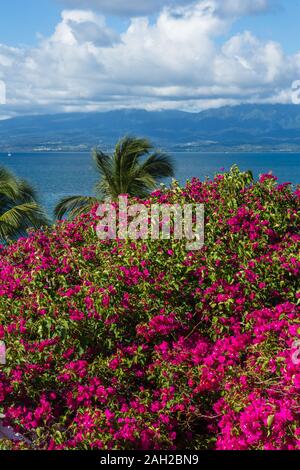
231	128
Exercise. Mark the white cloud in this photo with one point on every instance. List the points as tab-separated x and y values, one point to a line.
144	7
243	7
79	26
175	62
247	61
125	7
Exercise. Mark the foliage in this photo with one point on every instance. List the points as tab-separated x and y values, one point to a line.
19	208
122	345
122	173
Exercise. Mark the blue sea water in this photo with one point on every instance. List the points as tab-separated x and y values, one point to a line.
56	175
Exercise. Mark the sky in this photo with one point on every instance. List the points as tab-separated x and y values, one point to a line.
90	55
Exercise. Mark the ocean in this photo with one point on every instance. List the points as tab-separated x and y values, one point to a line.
56	175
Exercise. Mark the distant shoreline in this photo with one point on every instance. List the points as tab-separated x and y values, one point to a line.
224	152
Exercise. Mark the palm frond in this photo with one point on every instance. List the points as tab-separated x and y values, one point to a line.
125	172
9	186
19	209
18	219
105	190
126	157
26	192
158	166
130	149
105	167
72	206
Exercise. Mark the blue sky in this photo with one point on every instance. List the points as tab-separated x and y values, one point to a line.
280	24
70	55
21	21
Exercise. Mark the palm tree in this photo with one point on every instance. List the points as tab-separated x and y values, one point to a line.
19	209
124	172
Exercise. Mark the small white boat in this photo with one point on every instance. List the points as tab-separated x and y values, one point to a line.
9	155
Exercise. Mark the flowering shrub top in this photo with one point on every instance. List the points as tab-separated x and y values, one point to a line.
122	345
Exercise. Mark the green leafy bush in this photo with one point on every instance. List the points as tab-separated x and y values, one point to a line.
143	345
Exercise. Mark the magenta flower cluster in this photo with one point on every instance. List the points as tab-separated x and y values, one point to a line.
122	345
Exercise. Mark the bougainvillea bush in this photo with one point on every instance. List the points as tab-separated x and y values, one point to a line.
143	345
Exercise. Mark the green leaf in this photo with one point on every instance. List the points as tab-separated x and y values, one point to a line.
270	420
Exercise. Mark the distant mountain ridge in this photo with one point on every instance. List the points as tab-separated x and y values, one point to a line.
236	128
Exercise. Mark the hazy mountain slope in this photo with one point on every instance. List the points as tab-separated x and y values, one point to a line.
246	126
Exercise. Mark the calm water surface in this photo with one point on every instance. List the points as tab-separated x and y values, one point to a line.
56	175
